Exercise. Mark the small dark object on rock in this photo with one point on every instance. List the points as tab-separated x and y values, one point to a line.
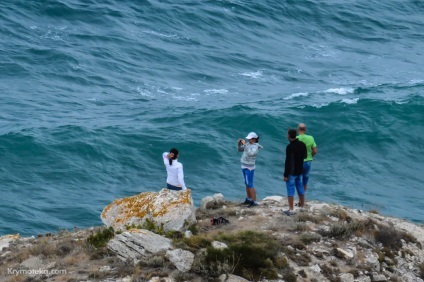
219	220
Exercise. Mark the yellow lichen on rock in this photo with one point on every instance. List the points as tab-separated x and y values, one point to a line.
10	236
165	207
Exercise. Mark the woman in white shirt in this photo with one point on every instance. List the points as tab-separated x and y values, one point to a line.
174	169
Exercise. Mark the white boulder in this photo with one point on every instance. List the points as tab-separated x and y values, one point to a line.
183	260
174	210
137	244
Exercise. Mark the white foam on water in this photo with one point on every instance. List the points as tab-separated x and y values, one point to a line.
151	32
177	88
340	91
400	102
255	75
216	91
295	95
350	101
143	92
33	27
184	98
321	105
416	81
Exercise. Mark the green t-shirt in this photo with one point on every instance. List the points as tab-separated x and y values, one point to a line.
310	143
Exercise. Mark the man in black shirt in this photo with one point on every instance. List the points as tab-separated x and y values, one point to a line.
295	154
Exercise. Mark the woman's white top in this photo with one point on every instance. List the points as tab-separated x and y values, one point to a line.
174	171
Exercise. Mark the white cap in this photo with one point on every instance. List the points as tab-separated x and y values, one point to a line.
251	135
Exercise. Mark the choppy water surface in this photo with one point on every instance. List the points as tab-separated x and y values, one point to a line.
92	92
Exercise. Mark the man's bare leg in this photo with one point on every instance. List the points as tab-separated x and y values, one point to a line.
302	201
253	194
291	203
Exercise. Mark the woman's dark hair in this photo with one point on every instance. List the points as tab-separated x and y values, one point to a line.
257	139
175	152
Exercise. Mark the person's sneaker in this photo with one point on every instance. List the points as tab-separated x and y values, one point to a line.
289	212
301	209
253	204
247	202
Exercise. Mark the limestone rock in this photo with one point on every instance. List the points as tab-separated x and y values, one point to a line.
32	263
315	268
162	279
363	279
317	207
231	278
136	244
219	245
188	234
182	259
371	259
378	277
212	202
409	277
6	239
105	268
173	209
346	277
277	199
348	254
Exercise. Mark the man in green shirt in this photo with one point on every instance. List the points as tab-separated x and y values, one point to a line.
311	148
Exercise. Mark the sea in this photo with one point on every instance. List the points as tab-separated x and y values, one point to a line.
92	92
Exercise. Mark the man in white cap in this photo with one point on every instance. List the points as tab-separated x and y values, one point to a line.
250	151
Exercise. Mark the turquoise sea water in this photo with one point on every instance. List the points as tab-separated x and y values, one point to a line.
92	92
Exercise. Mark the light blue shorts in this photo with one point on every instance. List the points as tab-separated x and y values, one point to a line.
248	177
294	182
306	171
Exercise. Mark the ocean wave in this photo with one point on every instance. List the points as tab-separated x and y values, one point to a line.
350	101
319	106
295	95
166	35
256	74
215	91
340	91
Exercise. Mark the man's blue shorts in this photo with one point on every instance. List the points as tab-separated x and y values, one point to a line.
294	181
306	172
248	177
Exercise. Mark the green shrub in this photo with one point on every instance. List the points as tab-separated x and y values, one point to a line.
101	238
250	254
340	214
193	229
340	230
193	243
303	217
308	238
391	238
346	230
150	225
300	226
289	275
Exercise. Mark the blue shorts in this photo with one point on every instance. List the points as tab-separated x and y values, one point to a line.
172	187
248	177
294	181
306	171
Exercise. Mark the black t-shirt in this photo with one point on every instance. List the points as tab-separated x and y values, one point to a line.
295	154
